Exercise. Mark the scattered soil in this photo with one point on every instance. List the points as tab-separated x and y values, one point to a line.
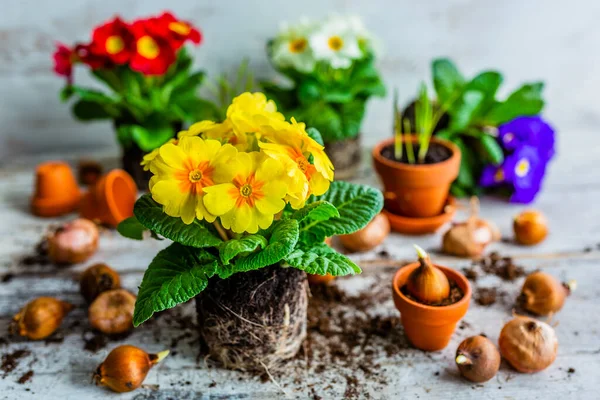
495	264
10	361
26	377
39	256
435	154
95	340
486	296
7	278
456	294
571	370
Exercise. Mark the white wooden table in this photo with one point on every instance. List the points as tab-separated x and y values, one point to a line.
63	370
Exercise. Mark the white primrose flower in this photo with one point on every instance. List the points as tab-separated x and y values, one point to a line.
291	47
366	40
336	43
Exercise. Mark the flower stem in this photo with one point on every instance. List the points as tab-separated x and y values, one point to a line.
221	230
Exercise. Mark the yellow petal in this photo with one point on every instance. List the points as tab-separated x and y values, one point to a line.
263	220
175	202
243	220
202	212
270	205
174	156
218	199
318	184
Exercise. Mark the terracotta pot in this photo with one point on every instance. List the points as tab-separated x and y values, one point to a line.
428	327
416	190
56	190
111	199
345	156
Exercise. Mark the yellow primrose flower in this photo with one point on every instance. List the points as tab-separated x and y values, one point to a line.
184	171
245	107
150	157
291	140
253	197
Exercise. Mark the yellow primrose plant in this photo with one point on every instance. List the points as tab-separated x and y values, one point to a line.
252	191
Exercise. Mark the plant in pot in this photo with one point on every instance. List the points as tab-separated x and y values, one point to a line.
149	85
431	299
330	68
248	204
417	170
505	144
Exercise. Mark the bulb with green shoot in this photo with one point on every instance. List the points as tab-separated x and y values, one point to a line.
427	283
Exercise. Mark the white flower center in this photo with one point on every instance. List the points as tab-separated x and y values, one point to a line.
522	168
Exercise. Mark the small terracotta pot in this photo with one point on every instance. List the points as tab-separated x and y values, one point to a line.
428	327
416	190
56	190
111	199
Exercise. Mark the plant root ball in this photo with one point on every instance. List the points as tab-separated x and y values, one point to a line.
255	320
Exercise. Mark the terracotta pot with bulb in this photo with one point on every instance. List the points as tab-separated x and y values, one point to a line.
429	327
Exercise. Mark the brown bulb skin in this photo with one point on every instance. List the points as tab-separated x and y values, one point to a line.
427	283
543	294
97	279
112	312
40	318
369	237
530	227
74	242
477	359
527	344
125	368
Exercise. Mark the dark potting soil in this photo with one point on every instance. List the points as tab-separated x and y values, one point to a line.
486	296
39	256
26	377
95	340
11	360
495	264
435	154
456	294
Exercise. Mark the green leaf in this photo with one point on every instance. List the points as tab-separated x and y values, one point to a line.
314	134
131	228
356	204
234	247
284	98
338	96
150	138
176	275
308	92
282	237
527	100
88	110
194	109
324	118
150	214
321	259
466	173
109	77
66	92
447	80
352	115
486	82
492	149
466	110
318	211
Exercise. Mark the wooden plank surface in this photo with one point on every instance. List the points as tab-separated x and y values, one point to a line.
62	370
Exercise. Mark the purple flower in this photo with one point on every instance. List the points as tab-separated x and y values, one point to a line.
522	170
528	130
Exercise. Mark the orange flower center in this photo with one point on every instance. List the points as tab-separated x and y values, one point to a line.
247	191
180	28
114	44
147	47
298	45
194	177
335	43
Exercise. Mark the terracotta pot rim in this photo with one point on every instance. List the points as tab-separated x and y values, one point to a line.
408	167
114	175
466	293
